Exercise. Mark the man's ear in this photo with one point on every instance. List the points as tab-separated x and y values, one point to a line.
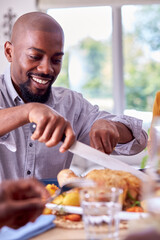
8	48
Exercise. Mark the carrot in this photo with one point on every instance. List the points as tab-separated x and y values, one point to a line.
73	217
135	209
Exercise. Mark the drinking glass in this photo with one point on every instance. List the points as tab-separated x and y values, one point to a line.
101	207
151	188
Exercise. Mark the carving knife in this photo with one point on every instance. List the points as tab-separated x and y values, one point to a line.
100	158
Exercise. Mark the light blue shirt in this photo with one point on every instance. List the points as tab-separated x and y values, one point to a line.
20	157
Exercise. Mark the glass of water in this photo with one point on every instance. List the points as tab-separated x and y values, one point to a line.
101	207
151	188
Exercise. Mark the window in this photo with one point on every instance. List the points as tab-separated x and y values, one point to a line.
106	71
87	66
141	55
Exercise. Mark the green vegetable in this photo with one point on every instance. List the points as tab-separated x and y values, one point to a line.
135	202
144	162
130	196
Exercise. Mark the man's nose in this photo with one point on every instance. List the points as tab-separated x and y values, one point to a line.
45	67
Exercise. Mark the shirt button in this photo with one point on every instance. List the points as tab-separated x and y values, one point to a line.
30	144
28	172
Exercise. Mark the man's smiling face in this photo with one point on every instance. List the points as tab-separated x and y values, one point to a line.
36	60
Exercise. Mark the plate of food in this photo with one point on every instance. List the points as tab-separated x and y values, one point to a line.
69	201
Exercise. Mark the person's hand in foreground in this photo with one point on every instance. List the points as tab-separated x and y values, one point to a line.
21	201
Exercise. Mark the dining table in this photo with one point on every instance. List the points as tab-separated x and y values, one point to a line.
60	233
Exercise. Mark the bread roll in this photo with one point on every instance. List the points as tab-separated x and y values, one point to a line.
65	176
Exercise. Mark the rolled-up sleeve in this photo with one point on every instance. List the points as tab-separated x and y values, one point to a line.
140	136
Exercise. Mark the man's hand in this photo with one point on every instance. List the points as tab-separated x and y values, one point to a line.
51	127
21	201
105	135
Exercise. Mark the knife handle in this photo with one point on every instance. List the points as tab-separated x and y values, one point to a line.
33	128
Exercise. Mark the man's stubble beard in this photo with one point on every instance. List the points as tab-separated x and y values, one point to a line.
28	96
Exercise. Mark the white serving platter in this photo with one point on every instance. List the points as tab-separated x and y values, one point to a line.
78	210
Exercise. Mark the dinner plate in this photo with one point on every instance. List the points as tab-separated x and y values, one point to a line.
132	215
68	209
78	210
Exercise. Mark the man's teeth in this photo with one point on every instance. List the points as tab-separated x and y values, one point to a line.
40	80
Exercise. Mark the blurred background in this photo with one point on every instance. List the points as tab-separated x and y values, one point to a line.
112	49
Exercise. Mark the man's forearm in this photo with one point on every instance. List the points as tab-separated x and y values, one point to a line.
12	118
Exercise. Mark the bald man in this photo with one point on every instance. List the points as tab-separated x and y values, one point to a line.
35	54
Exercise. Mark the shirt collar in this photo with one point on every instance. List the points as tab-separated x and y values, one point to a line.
11	90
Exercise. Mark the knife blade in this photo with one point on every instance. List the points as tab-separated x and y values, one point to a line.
100	158
104	160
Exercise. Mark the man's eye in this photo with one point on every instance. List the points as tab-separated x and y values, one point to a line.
34	57
57	61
